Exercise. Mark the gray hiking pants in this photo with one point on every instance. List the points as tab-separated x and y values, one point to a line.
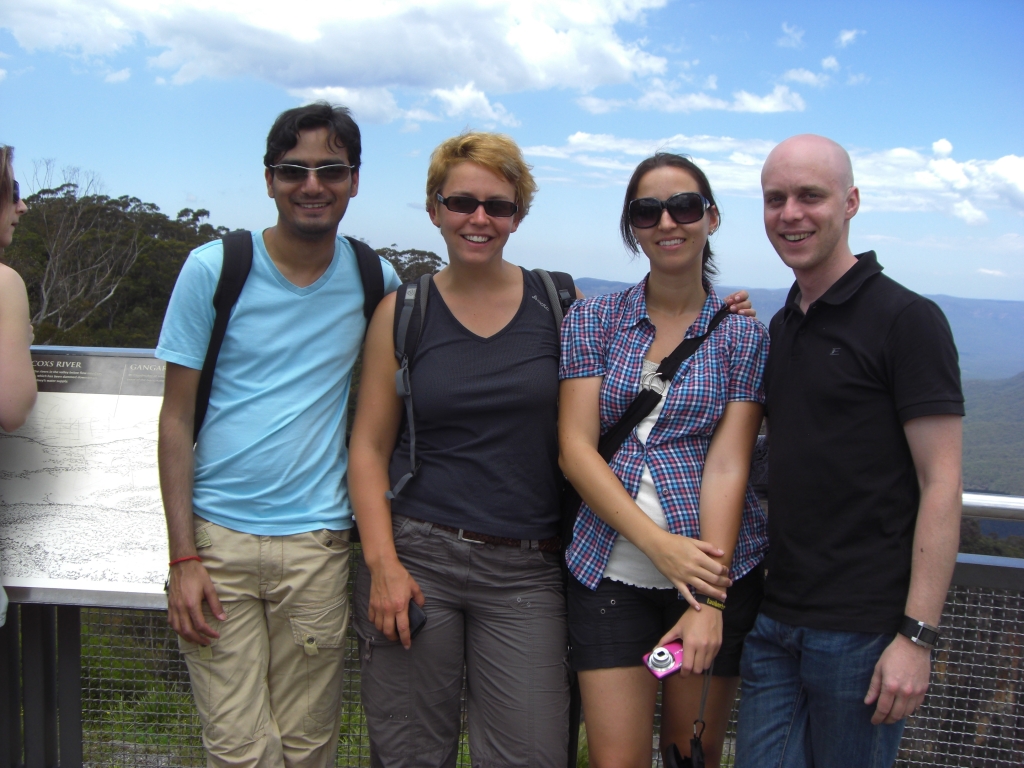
499	613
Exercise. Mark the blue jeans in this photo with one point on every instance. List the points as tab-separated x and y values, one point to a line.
802	701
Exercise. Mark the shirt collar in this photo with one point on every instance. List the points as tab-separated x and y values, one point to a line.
636	309
845	287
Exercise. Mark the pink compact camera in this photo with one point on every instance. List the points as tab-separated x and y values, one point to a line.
665	659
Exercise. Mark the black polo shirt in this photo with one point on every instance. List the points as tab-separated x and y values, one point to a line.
841	382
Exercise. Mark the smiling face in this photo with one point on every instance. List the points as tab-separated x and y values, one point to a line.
312	209
10	212
671	247
474	238
809	199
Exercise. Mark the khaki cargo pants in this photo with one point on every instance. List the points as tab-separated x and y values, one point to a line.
269	689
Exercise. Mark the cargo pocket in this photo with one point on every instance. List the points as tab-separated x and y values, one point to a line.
321	635
202	528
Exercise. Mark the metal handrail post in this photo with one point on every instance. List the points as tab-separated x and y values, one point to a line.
69	684
10	690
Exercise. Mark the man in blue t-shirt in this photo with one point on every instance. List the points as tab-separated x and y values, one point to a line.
258	515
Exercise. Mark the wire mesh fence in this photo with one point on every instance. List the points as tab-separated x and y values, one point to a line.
138	710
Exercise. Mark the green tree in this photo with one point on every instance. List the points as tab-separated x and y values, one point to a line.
100	270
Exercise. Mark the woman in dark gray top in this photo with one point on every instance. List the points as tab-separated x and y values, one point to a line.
471	537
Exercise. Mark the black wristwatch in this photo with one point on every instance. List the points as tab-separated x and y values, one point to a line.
919	633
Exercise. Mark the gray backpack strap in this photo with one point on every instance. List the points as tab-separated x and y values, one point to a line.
553	300
404	352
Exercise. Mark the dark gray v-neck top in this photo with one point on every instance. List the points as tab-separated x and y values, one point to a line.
486	414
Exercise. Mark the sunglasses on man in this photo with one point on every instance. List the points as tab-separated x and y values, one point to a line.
684	208
499	209
292	173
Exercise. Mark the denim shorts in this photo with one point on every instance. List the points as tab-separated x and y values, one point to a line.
616	624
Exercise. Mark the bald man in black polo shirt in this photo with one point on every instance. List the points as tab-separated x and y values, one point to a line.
864	410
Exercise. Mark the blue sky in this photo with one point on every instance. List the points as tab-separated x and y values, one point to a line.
170	101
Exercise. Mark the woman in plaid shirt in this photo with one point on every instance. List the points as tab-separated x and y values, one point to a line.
670	528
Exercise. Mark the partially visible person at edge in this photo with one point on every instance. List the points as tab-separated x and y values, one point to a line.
17	377
258	516
472	537
671	521
864	412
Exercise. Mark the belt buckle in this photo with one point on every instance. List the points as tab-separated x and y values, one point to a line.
468	541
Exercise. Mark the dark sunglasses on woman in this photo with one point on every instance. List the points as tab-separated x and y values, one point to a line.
500	209
17	192
684	208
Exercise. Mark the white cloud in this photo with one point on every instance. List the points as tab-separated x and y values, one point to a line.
711	83
376	105
3	74
781	99
856	79
831	63
471	102
665	97
118	77
942	148
792	37
993	272
598	106
417	45
899	179
806	77
848	36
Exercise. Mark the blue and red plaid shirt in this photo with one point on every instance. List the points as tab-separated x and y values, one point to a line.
609	336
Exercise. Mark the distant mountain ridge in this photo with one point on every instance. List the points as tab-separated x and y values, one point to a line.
989	333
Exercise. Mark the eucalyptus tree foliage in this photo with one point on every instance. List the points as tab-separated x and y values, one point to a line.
99	269
411	263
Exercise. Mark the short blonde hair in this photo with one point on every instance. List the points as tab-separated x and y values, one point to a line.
496	152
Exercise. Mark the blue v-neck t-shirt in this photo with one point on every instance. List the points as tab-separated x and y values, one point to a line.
271	458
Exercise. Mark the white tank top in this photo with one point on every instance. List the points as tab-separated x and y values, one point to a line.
627	564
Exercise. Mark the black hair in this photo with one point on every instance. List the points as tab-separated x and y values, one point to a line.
342	129
662	160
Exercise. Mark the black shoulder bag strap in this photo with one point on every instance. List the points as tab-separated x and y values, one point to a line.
371	273
233	274
647	399
610	442
409	295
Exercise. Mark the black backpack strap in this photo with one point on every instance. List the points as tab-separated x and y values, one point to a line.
647	399
409	297
371	273
561	292
233	274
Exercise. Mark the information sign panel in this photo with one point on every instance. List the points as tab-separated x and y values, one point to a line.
81	520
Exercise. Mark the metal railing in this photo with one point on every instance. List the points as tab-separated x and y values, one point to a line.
121	670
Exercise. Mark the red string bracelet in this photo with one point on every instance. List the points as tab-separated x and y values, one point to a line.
186	559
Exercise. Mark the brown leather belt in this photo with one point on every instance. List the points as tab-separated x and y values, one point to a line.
554	544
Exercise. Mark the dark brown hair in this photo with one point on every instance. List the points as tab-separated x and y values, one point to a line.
6	176
284	134
684	163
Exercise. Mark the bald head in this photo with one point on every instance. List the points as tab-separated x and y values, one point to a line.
809	199
807	149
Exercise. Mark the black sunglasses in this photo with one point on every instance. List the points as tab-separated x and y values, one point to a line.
17	192
684	208
290	173
500	209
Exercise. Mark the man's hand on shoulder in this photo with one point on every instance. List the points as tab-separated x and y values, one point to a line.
900	681
189	586
739	304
